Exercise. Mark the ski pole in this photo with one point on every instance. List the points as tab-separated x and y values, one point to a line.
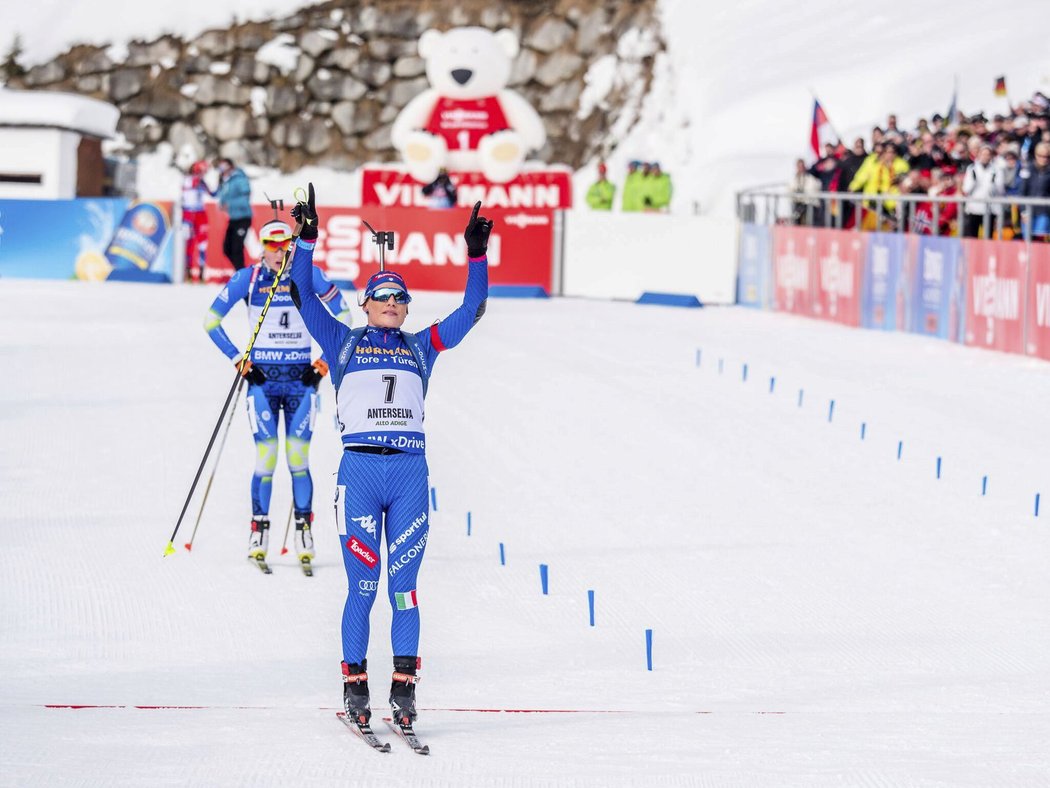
242	366
287	527
218	456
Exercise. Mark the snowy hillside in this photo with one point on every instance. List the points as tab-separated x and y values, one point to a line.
823	613
731	103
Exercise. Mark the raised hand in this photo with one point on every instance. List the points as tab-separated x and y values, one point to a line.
305	214
477	233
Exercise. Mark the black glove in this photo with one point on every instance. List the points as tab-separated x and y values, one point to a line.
314	374
477	233
305	213
254	374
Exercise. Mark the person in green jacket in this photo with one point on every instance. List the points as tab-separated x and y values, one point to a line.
657	190
600	195
633	187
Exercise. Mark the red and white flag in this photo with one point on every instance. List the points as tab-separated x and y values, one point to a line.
821	131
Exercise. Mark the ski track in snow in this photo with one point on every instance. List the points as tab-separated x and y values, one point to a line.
840	617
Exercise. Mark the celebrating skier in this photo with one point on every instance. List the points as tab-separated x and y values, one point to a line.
280	377
380	374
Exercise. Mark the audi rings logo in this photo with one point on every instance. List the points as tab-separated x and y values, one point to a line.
368	586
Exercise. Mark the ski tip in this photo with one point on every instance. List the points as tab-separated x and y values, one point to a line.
169	550
188	546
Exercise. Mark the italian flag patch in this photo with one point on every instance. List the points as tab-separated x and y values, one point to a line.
407	600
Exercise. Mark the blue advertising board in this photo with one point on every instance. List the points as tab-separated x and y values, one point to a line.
939	288
755	273
91	239
886	293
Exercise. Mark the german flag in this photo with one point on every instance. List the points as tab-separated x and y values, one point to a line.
1000	86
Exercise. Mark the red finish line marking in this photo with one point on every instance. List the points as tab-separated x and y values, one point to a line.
79	706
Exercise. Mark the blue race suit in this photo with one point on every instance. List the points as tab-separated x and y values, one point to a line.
380	377
282	352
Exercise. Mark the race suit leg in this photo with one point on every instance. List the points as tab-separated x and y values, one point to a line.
407	531
300	404
359	503
262	416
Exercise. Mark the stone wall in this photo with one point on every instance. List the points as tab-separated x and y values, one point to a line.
323	85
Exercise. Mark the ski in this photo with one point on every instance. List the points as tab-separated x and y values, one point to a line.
365	732
307	568
408	736
261	563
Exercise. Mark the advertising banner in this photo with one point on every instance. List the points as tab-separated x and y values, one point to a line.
996	275
756	267
429	249
840	259
547	189
91	239
794	269
939	285
886	292
1038	312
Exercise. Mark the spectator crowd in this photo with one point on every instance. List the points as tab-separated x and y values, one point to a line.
971	158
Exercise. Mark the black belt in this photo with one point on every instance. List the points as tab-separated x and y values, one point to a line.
373	449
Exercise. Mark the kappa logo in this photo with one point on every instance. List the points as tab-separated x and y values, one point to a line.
361	553
367	523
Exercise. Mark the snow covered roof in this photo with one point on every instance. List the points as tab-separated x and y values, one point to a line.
48	109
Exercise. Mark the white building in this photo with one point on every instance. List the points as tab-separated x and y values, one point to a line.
50	144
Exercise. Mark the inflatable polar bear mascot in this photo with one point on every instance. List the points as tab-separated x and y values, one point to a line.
467	119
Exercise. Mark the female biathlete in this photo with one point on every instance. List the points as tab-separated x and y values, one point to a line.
380	374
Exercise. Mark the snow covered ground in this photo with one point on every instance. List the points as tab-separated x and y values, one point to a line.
823	613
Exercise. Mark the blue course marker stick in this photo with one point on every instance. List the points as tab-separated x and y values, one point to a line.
863	429
543	578
800	398
721	363
900	448
434	498
590	605
468	523
938	467
772	384
649	649
698	357
1037	504
984	485
831	410
502	555
745	373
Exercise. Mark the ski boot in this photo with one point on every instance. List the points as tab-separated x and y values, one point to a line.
355	692
304	538
403	690
259	539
